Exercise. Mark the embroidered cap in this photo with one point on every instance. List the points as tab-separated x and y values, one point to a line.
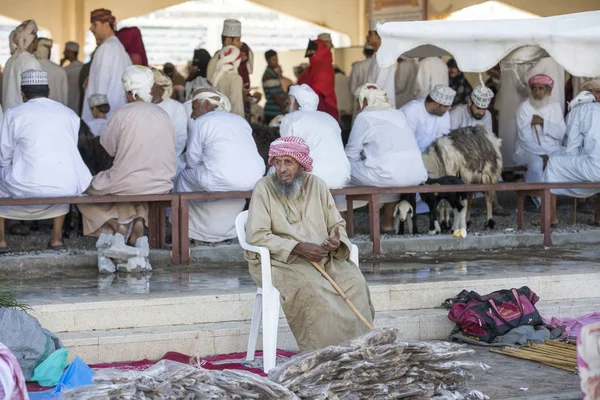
97	100
482	96
443	95
232	28
34	77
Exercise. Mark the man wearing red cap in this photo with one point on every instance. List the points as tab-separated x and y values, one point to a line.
293	215
540	128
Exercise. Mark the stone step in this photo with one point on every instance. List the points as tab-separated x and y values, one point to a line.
172	308
114	345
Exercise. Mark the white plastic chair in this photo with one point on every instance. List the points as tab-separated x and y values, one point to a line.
266	303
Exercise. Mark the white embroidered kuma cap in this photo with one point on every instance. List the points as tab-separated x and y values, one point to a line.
34	77
97	100
482	96
443	95
232	28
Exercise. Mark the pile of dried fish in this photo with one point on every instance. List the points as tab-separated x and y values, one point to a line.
379	366
173	380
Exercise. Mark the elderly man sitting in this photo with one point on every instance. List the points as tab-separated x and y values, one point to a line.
39	157
221	156
141	138
540	128
292	213
580	161
322	134
429	118
382	148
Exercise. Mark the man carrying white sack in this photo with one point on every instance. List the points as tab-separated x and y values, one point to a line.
39	156
322	134
382	148
221	156
540	129
161	96
57	77
429	118
432	71
293	215
141	138
22	44
580	161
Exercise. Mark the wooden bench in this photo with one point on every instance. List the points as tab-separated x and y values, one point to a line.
158	203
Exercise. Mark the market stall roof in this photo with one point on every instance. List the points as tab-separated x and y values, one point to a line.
573	40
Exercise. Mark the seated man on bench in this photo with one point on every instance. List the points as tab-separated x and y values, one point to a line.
293	215
580	162
39	156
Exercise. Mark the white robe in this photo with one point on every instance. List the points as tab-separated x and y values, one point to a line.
432	71
39	158
406	75
73	70
383	77
342	93
57	81
383	152
461	118
323	136
97	125
179	118
359	74
221	156
427	127
528	150
106	71
580	161
11	78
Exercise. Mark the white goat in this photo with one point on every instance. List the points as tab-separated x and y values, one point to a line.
471	153
403	216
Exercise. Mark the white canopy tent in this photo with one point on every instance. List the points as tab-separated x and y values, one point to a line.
572	40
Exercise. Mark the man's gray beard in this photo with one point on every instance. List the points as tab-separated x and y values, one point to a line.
289	190
539	104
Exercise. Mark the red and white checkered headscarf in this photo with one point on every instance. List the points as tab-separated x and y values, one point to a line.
541	79
294	147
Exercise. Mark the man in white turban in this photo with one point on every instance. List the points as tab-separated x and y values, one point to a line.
432	72
108	65
141	138
57	77
429	117
221	156
382	148
161	96
326	37
23	42
73	69
475	112
230	36
227	80
580	160
384	78
39	156
321	132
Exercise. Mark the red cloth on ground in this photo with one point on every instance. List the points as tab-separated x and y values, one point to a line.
131	38
320	76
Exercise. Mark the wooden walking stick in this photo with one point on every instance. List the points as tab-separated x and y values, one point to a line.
341	293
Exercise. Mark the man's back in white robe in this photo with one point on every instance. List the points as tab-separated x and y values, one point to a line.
57	81
11	78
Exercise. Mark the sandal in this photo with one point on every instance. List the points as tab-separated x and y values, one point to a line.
4	250
60	247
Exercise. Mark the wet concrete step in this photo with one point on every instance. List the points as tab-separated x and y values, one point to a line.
114	345
391	290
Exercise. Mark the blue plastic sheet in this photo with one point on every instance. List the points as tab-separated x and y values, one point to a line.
78	374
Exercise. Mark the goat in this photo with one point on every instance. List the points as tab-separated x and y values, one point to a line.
403	218
471	153
443	215
458	202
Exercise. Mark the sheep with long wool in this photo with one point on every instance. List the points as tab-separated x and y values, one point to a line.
471	153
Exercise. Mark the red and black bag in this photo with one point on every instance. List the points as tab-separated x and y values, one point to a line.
485	317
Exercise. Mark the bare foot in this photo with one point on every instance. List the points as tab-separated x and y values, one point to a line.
122	229
136	231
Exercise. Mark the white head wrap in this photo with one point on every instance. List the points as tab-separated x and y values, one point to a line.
482	96
34	77
229	59
11	42
443	95
377	99
307	99
591	84
24	35
217	99
232	28
164	81
72	46
97	100
582	98
139	80
43	49
325	37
